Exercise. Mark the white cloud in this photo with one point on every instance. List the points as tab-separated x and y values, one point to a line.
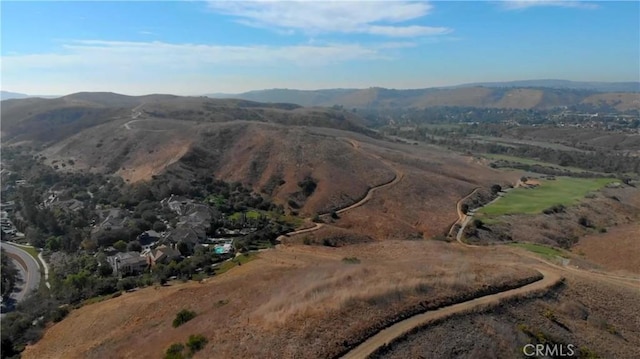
144	67
114	54
525	4
365	17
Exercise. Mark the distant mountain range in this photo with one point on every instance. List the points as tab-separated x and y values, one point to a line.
563	84
7	95
527	94
517	94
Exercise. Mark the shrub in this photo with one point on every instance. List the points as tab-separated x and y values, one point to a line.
441	237
558	208
549	315
588	353
328	243
308	186
196	343
585	222
59	313
127	283
351	260
183	316
174	351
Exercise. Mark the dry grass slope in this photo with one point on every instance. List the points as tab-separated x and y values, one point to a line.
292	302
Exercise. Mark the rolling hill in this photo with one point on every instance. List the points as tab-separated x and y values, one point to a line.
518	95
270	147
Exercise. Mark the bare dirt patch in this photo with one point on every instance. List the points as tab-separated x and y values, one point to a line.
616	250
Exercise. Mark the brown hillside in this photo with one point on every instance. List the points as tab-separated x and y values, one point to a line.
422	204
521	99
596	317
256	154
292	302
616	250
472	97
621	101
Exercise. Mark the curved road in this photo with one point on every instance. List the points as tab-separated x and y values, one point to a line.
463	219
387	335
29	268
551	276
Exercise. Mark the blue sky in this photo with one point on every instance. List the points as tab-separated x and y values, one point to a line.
197	47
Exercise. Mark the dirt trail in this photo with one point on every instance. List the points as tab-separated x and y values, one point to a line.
387	335
463	219
397	178
631	282
551	276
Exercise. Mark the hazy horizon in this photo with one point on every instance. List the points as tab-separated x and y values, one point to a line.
198	47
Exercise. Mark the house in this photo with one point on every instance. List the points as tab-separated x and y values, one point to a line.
128	263
176	203
163	254
113	218
71	205
148	237
187	235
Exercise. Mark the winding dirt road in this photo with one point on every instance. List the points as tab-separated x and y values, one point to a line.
401	328
398	176
463	218
551	273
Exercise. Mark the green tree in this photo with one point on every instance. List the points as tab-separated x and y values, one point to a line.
134	246
9	274
120	245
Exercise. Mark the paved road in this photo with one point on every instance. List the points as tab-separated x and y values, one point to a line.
28	267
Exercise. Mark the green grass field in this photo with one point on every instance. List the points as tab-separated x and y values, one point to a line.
547	252
564	190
